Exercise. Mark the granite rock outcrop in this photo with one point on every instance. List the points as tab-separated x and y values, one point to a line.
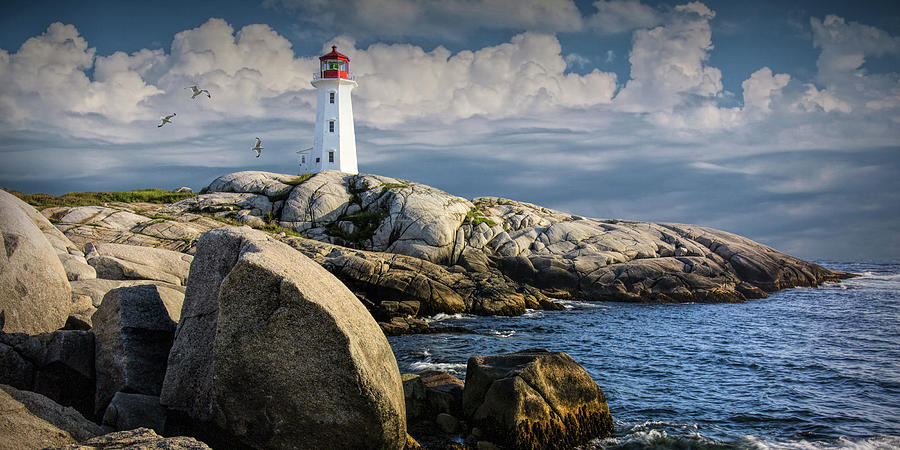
265	333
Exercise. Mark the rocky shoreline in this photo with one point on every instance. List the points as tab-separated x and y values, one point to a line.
166	325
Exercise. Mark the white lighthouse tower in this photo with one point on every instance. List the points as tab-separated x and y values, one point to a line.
334	142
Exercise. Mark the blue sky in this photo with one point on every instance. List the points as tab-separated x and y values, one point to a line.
774	120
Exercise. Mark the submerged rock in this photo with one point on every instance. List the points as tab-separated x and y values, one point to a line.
534	399
275	351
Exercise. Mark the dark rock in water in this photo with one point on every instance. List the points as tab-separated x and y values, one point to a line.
399	326
139	438
129	411
134	331
275	352
30	420
534	399
59	365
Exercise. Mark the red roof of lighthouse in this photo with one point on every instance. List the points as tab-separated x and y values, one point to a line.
334	55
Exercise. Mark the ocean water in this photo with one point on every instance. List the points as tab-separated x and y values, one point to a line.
804	368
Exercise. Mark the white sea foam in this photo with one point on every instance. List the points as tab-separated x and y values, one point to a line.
576	304
502	333
442	316
453	368
871	443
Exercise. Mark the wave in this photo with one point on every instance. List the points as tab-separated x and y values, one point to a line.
870	443
502	333
451	368
665	435
439	317
577	304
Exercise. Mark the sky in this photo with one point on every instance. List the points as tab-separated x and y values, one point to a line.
775	120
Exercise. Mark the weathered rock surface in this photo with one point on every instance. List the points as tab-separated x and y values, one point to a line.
377	213
265	333
534	399
272	185
76	267
561	254
138	439
35	294
97	288
119	223
134	329
30	420
121	262
488	256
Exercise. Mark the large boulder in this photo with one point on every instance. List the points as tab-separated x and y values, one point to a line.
131	262
134	329
534	399
319	200
138	439
30	420
274	350
273	185
35	295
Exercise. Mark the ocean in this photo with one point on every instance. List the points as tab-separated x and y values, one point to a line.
805	368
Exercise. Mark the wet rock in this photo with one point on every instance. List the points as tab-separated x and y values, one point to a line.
257	314
534	399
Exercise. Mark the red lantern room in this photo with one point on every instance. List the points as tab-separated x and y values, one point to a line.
335	65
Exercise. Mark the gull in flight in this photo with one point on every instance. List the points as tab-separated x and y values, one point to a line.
167	119
197	91
258	149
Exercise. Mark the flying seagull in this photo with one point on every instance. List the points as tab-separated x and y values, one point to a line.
258	149
197	91
167	119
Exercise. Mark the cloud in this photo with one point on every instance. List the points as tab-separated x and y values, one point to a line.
574	59
668	64
617	16
846	85
523	76
761	87
448	19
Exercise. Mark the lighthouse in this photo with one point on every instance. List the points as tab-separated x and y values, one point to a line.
334	142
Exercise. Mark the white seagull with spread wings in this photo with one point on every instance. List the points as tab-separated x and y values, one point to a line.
197	91
258	149
167	119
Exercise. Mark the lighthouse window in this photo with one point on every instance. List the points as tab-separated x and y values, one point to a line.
318	159
331	156
303	159
331	126
333	66
331	97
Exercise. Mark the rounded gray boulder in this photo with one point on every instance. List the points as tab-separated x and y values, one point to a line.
275	351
